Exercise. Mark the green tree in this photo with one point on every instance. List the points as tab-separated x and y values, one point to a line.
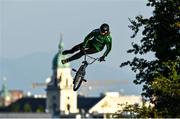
15	108
27	108
40	109
160	76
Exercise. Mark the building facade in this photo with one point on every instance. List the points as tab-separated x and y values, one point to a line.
60	95
114	102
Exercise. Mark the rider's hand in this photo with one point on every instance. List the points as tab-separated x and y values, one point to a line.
101	59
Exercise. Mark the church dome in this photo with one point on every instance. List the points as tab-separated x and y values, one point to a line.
58	57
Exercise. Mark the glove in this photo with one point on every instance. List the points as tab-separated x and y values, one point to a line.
101	59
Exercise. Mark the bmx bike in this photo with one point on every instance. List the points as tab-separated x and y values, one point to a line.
80	73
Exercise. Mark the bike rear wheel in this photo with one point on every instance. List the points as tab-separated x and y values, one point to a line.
78	78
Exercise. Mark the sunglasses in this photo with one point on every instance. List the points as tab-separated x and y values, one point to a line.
104	32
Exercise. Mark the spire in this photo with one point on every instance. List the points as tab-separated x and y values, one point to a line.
59	56
4	91
61	45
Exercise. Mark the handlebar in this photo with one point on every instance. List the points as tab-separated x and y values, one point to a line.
94	59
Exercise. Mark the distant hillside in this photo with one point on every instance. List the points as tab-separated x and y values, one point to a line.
23	71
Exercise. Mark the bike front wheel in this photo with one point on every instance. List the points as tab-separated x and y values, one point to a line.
78	78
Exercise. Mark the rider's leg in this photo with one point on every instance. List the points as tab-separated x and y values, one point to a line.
91	51
79	55
74	49
74	57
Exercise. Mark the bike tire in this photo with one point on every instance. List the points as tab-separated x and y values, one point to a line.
78	78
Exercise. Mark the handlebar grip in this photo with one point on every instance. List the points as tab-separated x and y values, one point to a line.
101	60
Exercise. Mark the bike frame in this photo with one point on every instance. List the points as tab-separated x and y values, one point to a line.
88	63
79	77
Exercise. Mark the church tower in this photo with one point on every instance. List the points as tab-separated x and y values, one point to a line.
60	95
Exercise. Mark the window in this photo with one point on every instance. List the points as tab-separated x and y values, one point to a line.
66	82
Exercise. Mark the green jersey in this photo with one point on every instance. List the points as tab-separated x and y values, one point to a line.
99	41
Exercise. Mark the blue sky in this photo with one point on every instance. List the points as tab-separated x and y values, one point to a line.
31	27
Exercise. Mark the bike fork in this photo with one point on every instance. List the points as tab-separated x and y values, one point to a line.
76	71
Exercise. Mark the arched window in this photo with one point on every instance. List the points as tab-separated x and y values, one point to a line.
68	107
66	82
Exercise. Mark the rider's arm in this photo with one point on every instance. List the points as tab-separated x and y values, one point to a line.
108	46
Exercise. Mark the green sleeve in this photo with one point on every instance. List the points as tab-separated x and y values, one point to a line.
87	38
108	46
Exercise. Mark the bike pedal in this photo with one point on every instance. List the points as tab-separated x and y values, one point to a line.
74	70
84	80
